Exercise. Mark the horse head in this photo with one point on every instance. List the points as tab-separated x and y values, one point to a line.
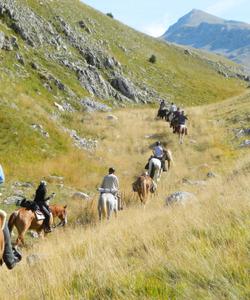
60	212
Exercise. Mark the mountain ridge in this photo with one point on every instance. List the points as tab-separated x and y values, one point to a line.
201	30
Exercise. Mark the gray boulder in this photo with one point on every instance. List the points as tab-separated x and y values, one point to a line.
2	39
11	200
124	86
245	144
112	118
92	106
242	132
211	175
194	182
179	197
80	196
40	129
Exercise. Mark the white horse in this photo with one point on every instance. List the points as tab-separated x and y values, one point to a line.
107	204
182	130
155	169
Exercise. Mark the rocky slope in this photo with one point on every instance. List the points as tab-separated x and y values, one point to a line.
60	59
204	31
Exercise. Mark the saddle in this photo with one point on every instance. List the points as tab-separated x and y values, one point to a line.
31	205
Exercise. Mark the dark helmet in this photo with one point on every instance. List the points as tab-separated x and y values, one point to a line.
158	143
111	170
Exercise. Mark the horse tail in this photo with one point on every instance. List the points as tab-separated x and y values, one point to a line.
11	221
3	217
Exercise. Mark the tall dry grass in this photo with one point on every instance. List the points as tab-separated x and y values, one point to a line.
196	251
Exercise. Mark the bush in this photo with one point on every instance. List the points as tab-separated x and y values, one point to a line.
110	15
152	59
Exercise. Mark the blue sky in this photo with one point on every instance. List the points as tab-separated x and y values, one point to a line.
155	16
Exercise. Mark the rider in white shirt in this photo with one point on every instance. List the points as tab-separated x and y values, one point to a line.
110	181
173	107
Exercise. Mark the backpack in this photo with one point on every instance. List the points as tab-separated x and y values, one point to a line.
2	177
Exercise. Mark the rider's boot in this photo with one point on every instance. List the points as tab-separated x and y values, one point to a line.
47	227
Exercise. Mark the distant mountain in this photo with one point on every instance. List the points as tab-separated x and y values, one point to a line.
201	30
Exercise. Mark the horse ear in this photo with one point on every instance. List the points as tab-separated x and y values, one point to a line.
65	206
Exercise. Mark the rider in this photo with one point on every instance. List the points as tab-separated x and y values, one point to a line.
173	107
182	118
11	256
162	105
111	181
41	200
159	153
175	120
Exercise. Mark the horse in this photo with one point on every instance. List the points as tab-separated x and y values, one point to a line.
107	204
155	164
143	185
3	216
155	169
25	219
162	113
181	130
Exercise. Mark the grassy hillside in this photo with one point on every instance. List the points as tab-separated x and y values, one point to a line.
28	94
199	250
196	251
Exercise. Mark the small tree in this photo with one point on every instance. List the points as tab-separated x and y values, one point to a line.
152	59
110	15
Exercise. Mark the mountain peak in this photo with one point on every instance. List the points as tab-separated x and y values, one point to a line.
196	16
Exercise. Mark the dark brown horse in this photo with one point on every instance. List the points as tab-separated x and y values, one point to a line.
24	219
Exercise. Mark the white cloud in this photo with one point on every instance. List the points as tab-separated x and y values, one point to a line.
222	6
155	29
158	28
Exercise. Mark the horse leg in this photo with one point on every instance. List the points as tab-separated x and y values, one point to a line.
140	197
108	210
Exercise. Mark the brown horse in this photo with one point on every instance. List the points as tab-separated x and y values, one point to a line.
2	224
143	185
24	219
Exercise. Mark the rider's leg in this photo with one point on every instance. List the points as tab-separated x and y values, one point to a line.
46	212
163	165
8	256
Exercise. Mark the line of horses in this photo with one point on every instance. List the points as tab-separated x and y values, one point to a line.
168	116
25	219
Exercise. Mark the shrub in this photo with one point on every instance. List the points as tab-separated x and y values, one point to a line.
110	15
152	59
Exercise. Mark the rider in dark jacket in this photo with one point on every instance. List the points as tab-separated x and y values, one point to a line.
40	199
174	122
182	119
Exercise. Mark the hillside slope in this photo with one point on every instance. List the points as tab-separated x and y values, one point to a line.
204	31
193	251
60	58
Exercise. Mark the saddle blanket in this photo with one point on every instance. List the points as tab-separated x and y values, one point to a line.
39	215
